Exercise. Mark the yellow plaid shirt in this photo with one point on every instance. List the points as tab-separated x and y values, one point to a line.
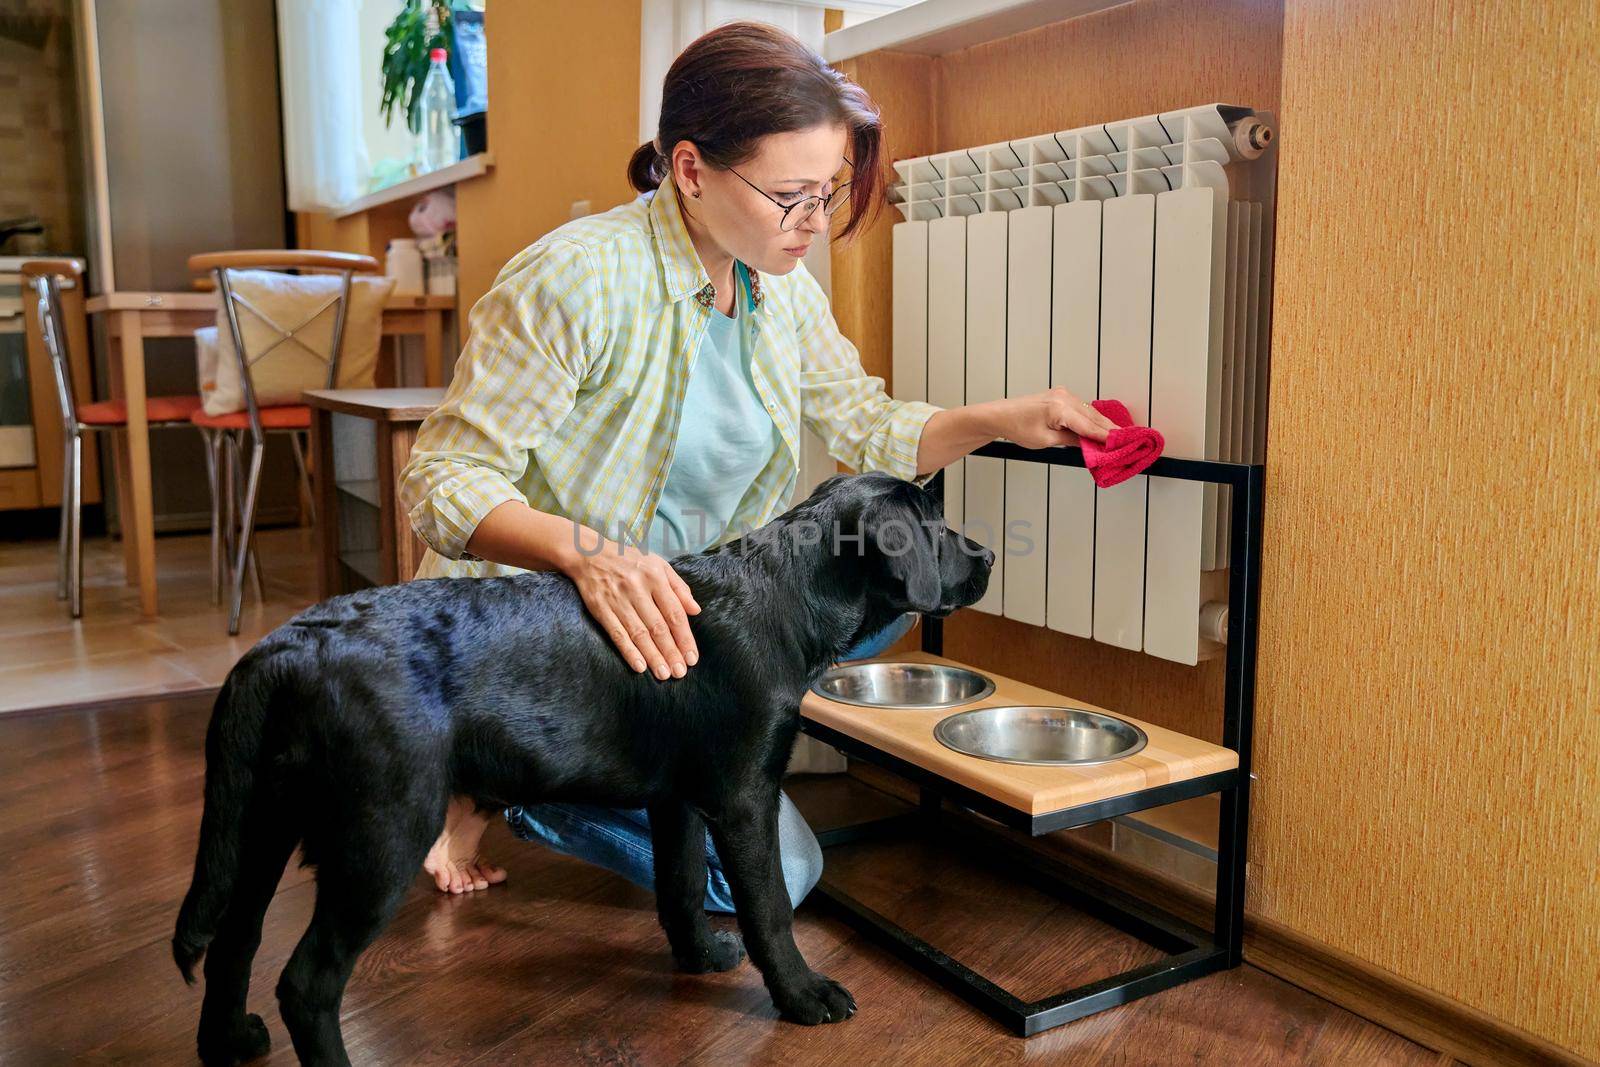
568	392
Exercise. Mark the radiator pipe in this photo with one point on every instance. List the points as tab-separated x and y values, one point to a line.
1251	137
1214	621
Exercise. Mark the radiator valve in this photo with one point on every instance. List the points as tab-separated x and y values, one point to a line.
1252	136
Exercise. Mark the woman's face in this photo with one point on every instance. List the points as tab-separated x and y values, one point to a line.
741	221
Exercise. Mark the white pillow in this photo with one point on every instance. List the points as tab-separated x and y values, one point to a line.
295	365
205	361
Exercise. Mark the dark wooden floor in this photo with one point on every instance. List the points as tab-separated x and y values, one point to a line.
98	815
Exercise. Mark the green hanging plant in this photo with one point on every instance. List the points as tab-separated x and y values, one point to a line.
407	42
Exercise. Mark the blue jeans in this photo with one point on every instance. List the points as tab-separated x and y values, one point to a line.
619	838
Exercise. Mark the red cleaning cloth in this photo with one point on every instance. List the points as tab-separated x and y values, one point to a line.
1127	450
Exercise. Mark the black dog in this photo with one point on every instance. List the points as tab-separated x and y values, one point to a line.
348	729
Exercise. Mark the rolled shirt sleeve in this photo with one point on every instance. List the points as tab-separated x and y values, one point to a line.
531	341
863	426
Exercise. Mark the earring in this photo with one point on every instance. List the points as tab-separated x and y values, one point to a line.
697	196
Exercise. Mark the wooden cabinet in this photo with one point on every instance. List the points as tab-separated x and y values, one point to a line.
360	440
31	455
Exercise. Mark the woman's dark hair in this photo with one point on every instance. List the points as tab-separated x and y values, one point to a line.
745	80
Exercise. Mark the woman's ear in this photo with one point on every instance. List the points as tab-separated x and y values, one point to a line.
687	167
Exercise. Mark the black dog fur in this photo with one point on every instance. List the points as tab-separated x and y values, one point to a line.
347	730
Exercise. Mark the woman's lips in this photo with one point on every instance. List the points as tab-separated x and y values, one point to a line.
797	251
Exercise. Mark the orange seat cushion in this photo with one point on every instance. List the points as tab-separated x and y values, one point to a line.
156	409
284	417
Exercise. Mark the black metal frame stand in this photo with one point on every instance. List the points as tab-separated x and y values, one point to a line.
1192	952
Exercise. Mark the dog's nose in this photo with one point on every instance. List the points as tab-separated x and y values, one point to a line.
988	557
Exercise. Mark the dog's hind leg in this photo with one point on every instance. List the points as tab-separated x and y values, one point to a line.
365	865
746	836
228	1035
678	837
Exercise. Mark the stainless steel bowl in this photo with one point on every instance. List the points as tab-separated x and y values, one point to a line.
882	684
1034	734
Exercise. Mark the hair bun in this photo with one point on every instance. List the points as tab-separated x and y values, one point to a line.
647	167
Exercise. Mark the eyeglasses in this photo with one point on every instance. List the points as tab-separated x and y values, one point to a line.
798	212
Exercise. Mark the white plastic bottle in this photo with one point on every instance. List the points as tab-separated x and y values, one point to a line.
440	272
441	141
403	263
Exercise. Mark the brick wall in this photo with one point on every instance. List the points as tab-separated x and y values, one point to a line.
40	168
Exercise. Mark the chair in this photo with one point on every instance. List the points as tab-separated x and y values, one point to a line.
225	433
46	279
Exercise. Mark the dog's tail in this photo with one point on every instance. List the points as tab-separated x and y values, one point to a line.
233	746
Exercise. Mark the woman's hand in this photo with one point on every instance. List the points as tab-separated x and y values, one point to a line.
1053	417
1039	420
641	603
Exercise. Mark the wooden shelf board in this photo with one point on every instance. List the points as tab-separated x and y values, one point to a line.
390	405
139	300
363	489
471	167
367	563
1034	790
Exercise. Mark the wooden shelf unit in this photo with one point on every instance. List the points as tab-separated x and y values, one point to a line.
360	439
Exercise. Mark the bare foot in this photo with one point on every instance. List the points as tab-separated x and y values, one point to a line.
453	860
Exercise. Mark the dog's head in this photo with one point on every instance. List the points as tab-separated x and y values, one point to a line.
895	532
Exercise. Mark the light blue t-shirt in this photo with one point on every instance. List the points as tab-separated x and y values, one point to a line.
725	437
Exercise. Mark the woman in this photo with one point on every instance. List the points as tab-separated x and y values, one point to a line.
642	376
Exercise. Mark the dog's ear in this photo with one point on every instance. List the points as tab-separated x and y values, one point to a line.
910	555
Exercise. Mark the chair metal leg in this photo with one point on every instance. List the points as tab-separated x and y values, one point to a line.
247	519
255	575
75	540
252	561
229	458
66	531
212	440
233	475
300	445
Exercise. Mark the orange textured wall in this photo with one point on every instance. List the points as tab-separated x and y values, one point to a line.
1430	642
563	120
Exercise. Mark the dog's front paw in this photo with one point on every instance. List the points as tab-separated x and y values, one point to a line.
722	953
816	999
234	1042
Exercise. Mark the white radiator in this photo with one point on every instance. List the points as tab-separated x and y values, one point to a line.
1111	260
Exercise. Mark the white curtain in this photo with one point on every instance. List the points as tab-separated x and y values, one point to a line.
324	151
668	26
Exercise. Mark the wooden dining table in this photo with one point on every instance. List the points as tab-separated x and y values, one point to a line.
130	317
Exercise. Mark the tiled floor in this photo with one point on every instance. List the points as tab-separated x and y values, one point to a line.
47	658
